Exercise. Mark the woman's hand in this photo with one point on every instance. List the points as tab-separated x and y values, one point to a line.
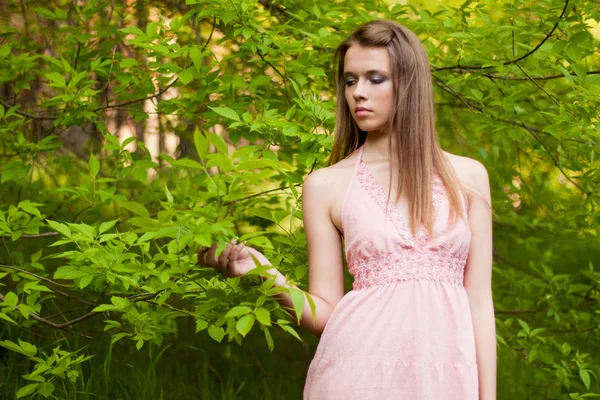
235	260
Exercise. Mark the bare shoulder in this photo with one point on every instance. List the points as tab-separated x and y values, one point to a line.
319	179
472	173
325	181
326	186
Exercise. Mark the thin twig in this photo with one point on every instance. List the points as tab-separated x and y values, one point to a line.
36	236
32	274
68	311
520	78
283	77
514	60
257	194
49	283
538	85
532	131
543	310
52	324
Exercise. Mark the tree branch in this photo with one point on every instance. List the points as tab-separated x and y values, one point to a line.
257	194
531	131
283	77
520	78
32	274
543	310
38	235
52	324
514	60
49	284
538	85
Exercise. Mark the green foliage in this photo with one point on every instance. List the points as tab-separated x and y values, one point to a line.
100	238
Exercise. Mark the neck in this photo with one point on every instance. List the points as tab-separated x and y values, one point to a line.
376	147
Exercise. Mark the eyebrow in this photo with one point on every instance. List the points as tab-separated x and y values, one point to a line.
370	72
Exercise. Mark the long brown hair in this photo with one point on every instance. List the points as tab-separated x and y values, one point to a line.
413	120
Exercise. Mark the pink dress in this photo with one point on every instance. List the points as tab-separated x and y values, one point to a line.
405	330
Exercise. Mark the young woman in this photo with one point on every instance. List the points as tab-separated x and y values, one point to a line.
419	322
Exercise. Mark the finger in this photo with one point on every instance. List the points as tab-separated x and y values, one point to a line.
224	256
202	256
235	253
211	260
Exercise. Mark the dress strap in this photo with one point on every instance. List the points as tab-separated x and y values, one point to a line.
359	158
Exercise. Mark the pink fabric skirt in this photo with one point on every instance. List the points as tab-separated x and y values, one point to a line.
406	340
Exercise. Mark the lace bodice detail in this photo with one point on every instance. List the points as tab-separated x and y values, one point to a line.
382	250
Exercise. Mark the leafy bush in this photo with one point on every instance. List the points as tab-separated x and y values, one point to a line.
100	232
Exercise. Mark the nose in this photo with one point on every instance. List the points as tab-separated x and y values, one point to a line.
360	90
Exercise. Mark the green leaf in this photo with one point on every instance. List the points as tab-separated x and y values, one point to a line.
135	208
57	79
218	142
118	336
133	29
585	378
7	344
127	141
291	331
536	332
61	14
120	302
237	311
263	316
187	163
201	143
28	348
105	307
25	390
94	165
226	112
168	194
6	318
106	226
36	256
196	56
60	228
30	207
11	299
216	332
87	230
85	281
45	388
565	349
244	324
269	339
176	24
201	325
68	272
298	301
186	76
524	325
290	113
4	51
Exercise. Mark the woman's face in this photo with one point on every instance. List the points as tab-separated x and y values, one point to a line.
369	87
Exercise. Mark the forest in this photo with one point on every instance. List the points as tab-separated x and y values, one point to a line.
132	133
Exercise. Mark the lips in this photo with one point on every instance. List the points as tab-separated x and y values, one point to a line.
357	109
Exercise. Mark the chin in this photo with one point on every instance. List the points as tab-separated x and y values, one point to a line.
369	127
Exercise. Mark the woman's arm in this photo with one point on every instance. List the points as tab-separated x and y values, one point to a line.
325	262
478	280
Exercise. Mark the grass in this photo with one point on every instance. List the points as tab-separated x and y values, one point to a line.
186	366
